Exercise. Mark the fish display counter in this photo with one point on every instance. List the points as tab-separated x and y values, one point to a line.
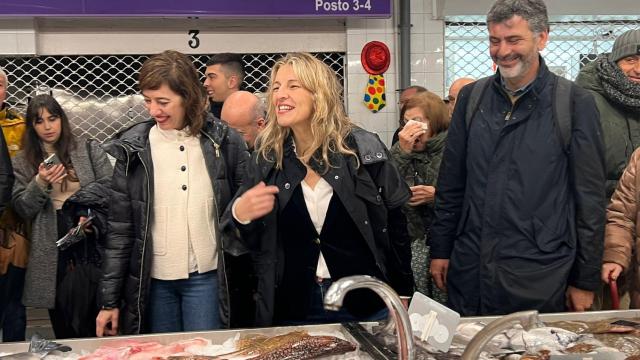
329	342
570	335
616	334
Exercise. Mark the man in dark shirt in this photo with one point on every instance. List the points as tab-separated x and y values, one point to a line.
223	76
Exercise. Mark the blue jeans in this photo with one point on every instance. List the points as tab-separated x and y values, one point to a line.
184	305
319	315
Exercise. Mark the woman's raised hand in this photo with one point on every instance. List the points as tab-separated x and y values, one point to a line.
53	174
255	202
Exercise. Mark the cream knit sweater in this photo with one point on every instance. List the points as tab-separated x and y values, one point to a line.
183	207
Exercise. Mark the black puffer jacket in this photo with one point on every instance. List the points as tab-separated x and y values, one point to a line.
372	193
128	253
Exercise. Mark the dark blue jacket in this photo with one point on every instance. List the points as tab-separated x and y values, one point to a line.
519	217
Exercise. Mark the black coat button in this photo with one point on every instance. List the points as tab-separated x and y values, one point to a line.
184	187
183	168
181	147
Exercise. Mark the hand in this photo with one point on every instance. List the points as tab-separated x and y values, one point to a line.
256	202
439	268
422	194
106	317
409	135
611	271
578	299
87	225
53	174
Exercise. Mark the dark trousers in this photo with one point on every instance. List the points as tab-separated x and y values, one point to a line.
12	313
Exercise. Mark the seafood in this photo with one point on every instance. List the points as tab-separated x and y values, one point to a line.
188	357
580	348
541	355
309	347
296	345
39	347
543	338
260	344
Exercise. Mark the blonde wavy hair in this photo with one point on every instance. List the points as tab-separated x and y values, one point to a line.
329	123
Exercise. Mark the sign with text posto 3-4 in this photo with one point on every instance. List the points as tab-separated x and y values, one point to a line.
215	8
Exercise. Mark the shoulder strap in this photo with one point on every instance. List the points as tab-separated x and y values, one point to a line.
562	110
477	92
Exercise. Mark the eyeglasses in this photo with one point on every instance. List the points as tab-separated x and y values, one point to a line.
449	99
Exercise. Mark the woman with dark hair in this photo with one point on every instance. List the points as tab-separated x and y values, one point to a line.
322	202
165	269
418	154
41	189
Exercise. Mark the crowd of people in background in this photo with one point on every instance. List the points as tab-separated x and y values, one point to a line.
516	191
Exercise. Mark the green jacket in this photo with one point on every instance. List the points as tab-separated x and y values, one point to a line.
424	167
620	127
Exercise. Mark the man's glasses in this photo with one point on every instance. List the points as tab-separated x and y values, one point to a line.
449	99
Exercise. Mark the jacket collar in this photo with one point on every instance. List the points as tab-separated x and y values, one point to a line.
136	138
538	84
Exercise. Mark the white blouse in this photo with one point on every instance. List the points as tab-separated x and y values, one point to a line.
317	201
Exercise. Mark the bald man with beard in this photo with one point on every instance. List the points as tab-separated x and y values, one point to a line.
245	113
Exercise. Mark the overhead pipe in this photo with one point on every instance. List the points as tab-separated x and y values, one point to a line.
404	26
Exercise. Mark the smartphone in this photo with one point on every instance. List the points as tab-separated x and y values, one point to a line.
51	160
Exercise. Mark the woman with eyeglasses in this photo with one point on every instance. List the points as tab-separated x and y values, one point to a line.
52	170
418	154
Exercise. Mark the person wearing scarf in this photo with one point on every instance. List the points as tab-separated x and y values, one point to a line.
614	81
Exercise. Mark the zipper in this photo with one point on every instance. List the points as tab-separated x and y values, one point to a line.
144	242
216	229
508	116
126	151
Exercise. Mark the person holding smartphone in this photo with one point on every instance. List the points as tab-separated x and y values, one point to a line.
52	167
418	154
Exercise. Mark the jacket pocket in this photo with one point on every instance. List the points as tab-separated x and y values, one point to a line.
464	217
160	227
551	236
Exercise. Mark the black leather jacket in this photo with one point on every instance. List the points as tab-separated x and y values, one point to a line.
128	253
372	193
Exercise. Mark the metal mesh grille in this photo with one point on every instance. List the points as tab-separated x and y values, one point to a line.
573	42
99	93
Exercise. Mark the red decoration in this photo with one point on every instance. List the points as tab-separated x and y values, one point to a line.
375	57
